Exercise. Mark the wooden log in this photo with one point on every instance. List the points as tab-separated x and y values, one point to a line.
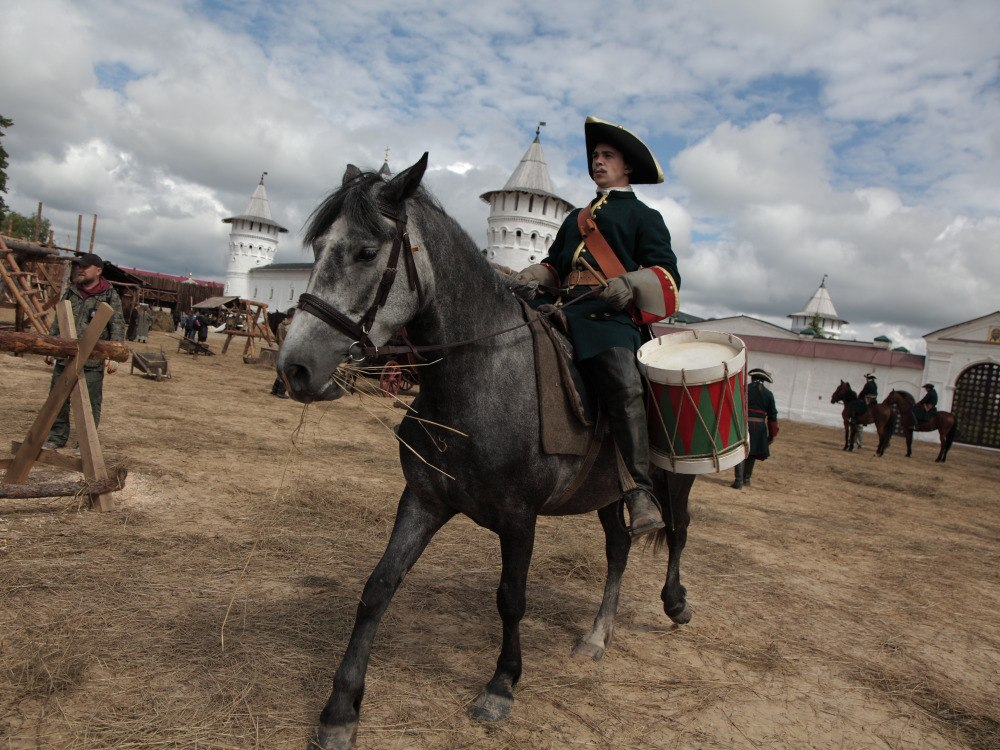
65	489
54	346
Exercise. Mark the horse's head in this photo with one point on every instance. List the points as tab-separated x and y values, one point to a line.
366	283
842	390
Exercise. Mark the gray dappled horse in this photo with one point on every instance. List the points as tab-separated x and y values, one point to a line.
485	387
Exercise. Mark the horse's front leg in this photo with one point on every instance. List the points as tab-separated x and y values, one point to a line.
673	595
517	540
416	522
616	547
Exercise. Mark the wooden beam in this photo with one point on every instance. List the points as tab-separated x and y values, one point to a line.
100	488
91	454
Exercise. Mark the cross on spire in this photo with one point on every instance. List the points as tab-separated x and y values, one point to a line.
262	175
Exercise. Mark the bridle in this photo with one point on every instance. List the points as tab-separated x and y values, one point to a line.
363	347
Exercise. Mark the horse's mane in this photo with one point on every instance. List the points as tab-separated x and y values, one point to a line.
356	201
908	397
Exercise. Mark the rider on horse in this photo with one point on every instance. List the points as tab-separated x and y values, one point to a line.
869	393
868	397
619	245
926	407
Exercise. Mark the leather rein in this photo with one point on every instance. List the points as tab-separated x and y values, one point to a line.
363	347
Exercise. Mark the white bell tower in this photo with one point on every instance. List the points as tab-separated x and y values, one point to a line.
253	241
525	214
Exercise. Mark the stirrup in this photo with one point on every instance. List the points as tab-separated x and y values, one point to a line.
645	521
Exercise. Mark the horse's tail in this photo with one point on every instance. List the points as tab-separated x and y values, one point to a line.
890	427
659	540
950	437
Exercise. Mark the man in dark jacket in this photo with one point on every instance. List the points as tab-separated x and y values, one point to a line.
88	290
926	407
630	270
762	424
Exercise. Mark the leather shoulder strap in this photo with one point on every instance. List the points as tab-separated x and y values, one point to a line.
597	245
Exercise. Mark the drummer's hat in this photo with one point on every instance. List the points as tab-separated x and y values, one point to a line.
929	386
870	376
760	374
645	169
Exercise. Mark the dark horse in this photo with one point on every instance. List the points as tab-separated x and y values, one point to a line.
942	421
857	412
485	386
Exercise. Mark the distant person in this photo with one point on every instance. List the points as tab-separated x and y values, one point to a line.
762	425
88	290
278	389
201	326
143	319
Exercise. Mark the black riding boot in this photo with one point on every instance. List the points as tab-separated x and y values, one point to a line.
619	386
738	481
748	469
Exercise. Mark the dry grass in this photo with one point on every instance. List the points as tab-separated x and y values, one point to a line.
843	601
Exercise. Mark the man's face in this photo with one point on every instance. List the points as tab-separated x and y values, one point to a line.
86	276
608	164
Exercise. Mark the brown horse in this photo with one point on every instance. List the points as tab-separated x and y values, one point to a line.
856	413
942	421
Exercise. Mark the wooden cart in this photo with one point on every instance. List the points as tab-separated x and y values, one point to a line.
151	364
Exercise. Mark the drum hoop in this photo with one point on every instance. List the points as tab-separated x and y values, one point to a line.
697	375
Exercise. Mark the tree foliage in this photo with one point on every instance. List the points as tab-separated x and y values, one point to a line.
23	227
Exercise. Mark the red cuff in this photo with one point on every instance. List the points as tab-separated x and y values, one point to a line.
670	299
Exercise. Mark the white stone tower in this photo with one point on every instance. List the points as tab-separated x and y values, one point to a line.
253	241
525	214
819	313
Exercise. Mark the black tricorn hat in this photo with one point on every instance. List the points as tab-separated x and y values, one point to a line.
929	385
758	373
645	169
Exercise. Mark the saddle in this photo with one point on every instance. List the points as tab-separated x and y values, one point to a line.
566	407
858	408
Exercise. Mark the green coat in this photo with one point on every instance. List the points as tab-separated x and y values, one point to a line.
83	311
640	239
761	413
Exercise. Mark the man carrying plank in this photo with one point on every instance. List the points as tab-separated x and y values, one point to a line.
88	290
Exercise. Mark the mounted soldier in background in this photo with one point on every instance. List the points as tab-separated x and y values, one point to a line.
926	407
868	397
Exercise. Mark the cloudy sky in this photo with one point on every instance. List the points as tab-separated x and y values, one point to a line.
854	138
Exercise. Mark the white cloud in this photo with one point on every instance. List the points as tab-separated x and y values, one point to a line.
852	139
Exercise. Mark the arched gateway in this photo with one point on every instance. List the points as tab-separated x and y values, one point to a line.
976	405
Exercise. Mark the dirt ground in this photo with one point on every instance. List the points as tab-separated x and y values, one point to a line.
843	601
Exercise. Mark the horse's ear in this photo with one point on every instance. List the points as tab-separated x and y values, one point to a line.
350	174
405	184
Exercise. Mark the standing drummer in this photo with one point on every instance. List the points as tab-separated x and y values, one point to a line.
762	424
636	271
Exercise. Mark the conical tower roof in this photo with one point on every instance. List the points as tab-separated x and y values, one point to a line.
258	208
531	174
820	305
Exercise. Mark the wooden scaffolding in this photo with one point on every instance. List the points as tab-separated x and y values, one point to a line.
30	286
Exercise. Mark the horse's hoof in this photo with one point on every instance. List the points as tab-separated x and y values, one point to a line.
681	616
338	737
587	651
491	707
